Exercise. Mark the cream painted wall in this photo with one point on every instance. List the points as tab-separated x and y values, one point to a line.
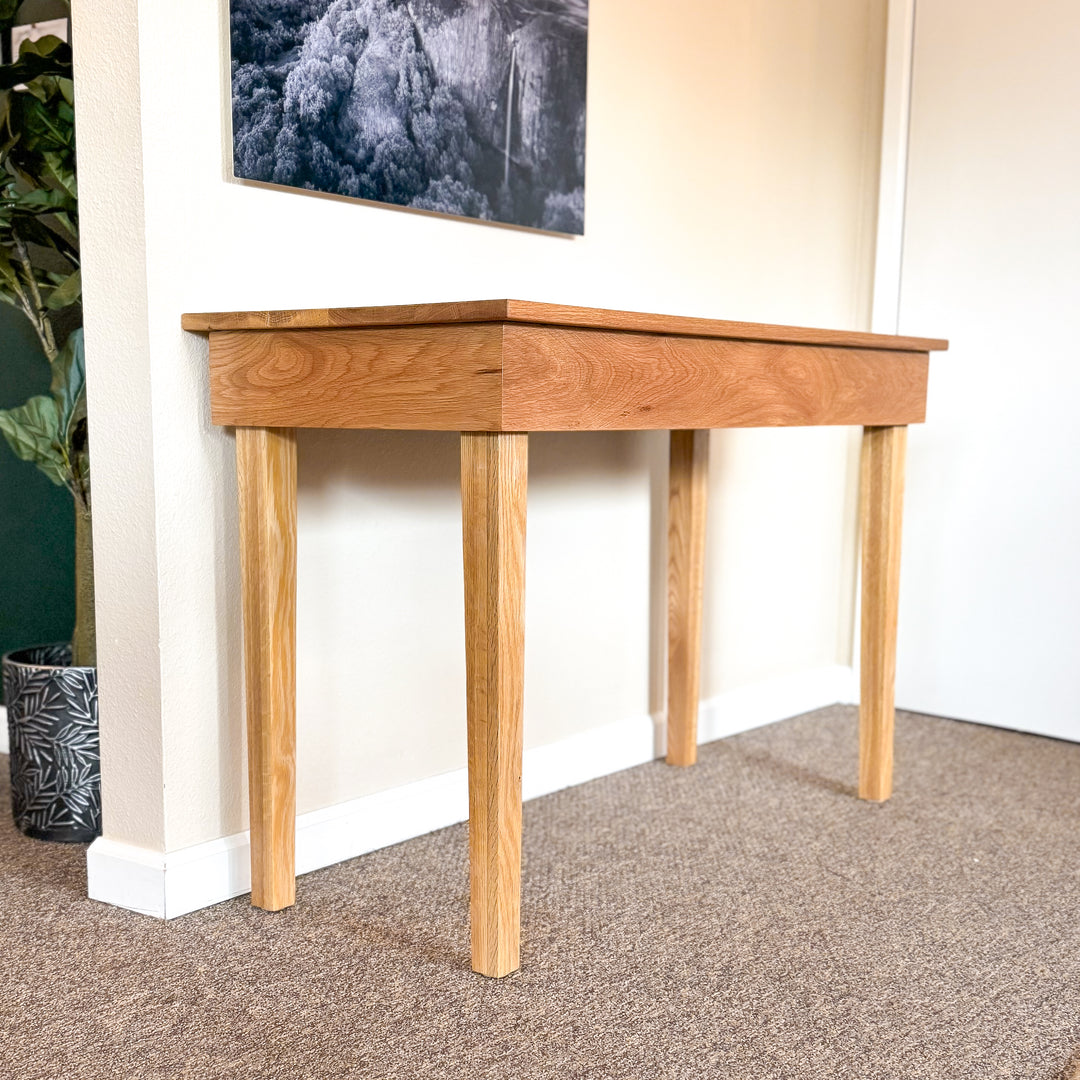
115	286
732	156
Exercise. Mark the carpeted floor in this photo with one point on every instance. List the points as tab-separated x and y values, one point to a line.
748	918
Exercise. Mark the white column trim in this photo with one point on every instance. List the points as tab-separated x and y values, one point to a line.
892	183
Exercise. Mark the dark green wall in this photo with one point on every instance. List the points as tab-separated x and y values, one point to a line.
37	522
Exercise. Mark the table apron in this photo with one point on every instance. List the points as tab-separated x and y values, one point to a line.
516	377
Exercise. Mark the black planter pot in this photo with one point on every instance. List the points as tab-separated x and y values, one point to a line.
55	758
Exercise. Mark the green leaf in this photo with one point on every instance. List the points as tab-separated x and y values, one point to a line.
33	229
62	168
32	431
62	219
39	209
42	46
31	65
40	124
7	271
68	385
43	197
67	293
38	88
78	444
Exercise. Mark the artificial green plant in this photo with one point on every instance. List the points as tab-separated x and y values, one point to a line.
39	275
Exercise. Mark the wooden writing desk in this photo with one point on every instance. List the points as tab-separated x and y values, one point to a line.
496	370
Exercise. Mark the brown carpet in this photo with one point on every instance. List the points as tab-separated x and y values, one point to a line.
745	919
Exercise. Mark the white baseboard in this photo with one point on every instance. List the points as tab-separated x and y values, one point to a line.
3	731
777	699
166	885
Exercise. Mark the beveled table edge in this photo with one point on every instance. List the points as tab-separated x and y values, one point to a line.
556	315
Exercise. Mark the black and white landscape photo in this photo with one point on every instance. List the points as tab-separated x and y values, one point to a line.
466	107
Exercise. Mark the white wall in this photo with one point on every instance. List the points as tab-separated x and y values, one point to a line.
991	580
115	287
732	152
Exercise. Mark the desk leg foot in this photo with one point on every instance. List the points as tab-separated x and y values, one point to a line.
266	479
493	493
882	483
687	502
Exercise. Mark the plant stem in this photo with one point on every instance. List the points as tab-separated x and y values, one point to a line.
41	320
84	639
27	307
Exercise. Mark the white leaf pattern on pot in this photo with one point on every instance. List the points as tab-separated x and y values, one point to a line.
55	756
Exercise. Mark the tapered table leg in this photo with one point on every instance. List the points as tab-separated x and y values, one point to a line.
493	487
882	483
266	478
687	504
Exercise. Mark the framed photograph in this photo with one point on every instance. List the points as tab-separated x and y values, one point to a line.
468	107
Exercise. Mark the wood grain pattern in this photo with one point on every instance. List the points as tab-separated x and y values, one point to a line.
493	496
882	480
645	322
266	479
473	311
687	505
590	380
440	379
494	377
526	311
492	370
